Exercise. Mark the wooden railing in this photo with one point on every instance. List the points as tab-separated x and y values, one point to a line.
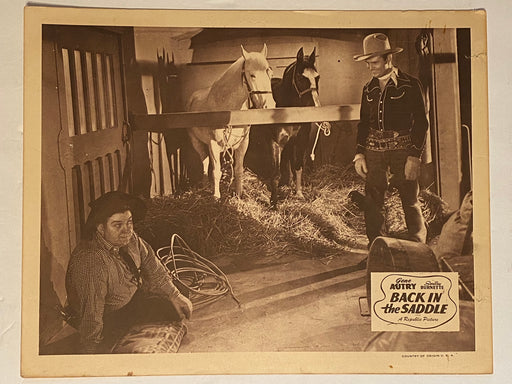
157	124
165	121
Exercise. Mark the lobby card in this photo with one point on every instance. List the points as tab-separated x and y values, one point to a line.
88	71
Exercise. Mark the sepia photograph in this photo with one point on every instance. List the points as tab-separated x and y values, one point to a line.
205	186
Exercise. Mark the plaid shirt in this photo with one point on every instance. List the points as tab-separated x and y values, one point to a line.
99	281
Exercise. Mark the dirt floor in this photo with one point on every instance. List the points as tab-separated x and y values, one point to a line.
296	271
292	304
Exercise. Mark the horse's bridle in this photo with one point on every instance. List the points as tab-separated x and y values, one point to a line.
251	91
299	92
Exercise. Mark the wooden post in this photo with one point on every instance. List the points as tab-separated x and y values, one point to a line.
446	77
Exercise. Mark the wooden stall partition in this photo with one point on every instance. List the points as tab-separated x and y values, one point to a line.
83	152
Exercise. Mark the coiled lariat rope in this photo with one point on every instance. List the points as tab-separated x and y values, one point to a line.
204	280
324	127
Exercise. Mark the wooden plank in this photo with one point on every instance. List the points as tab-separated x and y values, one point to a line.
76	214
110	172
87	187
92	113
165	121
96	180
172	168
155	169
105	174
80	96
117	171
93	145
448	119
100	86
109	86
68	92
164	169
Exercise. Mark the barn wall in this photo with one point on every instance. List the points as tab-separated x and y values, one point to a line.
211	60
408	60
136	103
341	77
154	87
200	62
150	146
341	81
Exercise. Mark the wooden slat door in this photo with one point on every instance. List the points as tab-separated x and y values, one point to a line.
92	113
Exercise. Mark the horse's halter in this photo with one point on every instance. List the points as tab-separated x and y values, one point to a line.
251	91
299	92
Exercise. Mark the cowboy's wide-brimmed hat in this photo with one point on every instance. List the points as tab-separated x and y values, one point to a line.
376	44
110	203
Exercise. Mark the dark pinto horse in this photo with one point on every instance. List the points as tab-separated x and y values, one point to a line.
274	149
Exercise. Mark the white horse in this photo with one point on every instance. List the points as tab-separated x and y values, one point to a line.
245	84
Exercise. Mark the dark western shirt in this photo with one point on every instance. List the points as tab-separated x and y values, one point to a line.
397	107
99	281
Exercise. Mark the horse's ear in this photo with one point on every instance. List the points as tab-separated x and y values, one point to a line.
300	55
264	50
244	52
312	57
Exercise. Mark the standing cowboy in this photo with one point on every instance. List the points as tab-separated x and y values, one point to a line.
391	136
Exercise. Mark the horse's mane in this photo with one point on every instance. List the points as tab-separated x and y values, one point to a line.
277	90
233	68
225	85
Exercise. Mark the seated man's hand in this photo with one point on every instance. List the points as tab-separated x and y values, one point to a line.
183	306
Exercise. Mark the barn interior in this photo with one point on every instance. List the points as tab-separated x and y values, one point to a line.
298	275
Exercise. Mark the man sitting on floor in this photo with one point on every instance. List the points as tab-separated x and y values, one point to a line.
114	279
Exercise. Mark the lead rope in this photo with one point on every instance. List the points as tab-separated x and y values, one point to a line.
226	135
324	127
228	149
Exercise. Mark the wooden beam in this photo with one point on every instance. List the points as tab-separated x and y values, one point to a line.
448	117
165	121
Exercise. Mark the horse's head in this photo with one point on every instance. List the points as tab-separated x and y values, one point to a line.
301	79
256	75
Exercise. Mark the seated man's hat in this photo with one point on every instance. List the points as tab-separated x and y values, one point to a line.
109	204
376	44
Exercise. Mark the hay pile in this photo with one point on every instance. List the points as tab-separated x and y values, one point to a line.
435	212
324	224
